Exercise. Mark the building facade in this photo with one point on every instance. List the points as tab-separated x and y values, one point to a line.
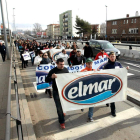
50	30
57	32
67	20
127	28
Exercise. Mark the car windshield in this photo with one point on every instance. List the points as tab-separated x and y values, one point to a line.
106	45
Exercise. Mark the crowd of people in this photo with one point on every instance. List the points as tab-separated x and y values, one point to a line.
75	58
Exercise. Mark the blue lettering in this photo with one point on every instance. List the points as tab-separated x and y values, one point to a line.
40	68
105	58
46	67
101	61
77	68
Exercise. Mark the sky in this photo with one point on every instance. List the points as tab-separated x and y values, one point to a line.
28	12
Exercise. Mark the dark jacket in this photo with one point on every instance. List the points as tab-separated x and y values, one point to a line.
45	61
112	65
88	52
74	60
2	49
56	71
73	47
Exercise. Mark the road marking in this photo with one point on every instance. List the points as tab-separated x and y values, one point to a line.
134	70
129	74
92	127
136	65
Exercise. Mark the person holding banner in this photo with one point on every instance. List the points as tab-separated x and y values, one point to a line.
89	63
113	64
38	58
46	60
101	54
51	78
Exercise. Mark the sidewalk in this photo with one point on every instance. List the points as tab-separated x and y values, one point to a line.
4	81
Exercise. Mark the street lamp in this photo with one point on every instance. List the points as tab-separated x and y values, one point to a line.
106	23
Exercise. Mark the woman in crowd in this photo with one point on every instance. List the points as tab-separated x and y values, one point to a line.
68	46
38	58
46	60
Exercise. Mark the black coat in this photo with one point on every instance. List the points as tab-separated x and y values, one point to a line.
2	49
88	52
75	61
45	61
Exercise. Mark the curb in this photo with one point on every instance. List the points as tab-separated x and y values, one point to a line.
133	96
27	126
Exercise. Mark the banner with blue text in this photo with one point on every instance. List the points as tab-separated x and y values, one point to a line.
88	89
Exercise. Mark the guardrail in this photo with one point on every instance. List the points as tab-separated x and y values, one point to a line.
8	113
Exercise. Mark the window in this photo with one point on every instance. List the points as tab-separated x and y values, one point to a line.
114	31
123	32
124	22
135	21
92	44
133	31
114	23
132	21
127	21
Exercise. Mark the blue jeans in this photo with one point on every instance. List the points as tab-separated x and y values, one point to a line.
58	107
90	112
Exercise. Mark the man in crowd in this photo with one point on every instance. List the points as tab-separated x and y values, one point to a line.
51	78
113	64
73	52
2	51
101	54
89	63
77	59
64	56
88	53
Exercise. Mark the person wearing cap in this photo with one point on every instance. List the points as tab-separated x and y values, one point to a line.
101	54
88	53
89	63
113	64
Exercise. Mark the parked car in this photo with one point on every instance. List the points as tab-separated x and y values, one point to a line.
2	41
115	41
97	45
79	40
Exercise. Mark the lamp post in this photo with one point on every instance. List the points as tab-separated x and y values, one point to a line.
106	23
4	29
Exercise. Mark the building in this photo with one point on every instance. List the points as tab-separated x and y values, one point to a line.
57	32
46	33
127	28
50	30
67	20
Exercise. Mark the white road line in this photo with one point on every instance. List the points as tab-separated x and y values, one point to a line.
134	70
89	128
129	74
136	65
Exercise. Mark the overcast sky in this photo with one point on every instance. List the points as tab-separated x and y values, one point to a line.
28	12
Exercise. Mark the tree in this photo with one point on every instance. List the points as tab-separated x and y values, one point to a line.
103	29
82	26
28	32
37	28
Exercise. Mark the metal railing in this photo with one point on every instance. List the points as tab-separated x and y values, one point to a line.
8	113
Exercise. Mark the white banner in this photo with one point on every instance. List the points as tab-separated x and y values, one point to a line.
32	54
88	89
43	51
26	56
56	52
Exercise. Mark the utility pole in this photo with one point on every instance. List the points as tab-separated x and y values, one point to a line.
106	23
4	29
8	23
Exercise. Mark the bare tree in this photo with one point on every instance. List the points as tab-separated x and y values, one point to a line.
37	28
28	32
103	29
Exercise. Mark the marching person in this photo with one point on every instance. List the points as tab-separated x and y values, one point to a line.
101	54
113	64
51	78
38	58
2	51
89	63
46	60
88	53
77	59
64	56
74	46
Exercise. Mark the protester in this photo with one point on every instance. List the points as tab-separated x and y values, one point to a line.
38	58
51	78
88	53
74	46
57	47
63	55
77	59
113	64
46	60
89	63
46	47
3	51
68	46
101	54
73	52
